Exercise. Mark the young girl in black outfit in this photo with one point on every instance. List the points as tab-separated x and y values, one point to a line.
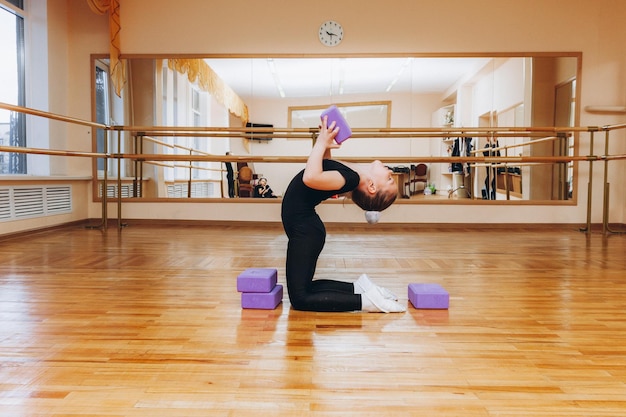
373	189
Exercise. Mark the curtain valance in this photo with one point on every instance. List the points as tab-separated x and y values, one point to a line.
118	67
201	73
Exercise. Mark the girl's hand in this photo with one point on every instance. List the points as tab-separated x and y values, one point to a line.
327	134
314	175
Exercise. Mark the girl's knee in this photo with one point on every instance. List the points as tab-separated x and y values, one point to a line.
298	302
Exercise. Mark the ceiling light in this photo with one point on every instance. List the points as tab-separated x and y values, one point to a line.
342	74
272	67
404	66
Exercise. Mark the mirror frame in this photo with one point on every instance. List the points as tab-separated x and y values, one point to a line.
576	112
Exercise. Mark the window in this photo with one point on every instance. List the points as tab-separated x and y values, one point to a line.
12	85
102	109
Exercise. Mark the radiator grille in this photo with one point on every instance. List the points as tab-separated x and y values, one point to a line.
28	202
198	190
5	204
128	190
37	201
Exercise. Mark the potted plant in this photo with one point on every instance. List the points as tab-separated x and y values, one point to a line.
430	189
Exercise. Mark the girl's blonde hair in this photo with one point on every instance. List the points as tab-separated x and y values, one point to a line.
373	202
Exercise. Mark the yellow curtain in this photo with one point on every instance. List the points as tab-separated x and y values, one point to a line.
118	66
199	71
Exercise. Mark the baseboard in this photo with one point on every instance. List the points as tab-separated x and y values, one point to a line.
113	224
364	225
31	232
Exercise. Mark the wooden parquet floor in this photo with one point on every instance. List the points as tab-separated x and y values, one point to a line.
147	322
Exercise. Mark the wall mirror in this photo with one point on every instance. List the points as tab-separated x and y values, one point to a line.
417	91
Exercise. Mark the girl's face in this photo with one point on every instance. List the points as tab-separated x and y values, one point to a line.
382	178
263	181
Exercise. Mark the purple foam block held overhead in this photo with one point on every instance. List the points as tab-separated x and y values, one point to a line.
263	301
334	115
257	280
432	296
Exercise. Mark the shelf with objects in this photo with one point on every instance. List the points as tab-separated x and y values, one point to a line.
454	178
441	175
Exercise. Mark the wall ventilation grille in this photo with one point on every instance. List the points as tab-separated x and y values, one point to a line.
128	190
17	203
198	190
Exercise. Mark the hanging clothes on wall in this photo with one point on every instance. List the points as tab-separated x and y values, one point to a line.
489	192
461	174
462	147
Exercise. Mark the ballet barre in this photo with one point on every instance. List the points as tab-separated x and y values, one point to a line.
534	134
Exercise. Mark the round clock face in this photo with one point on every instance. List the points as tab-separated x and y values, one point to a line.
331	33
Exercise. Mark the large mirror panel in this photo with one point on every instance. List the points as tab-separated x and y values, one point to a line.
264	94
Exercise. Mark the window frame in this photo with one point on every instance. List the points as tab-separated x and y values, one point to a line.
17	162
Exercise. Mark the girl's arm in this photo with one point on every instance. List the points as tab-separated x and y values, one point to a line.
314	175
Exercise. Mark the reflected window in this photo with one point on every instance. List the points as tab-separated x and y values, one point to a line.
102	109
185	103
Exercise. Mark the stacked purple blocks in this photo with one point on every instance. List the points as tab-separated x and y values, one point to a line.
258	288
431	296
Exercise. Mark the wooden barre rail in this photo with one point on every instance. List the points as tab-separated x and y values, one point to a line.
355	135
302	159
186	148
436	131
506	165
358	133
388	159
301	133
517	145
186	166
48	115
52	152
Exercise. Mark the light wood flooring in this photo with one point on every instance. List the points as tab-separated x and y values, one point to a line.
147	322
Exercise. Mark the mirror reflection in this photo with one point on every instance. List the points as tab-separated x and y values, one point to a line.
266	93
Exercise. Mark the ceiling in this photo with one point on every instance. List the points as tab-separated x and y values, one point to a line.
318	77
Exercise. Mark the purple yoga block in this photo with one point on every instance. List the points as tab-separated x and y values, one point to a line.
262	300
428	296
257	280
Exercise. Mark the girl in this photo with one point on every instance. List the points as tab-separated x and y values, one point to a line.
262	190
373	189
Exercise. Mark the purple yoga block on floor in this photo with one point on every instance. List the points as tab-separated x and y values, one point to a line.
262	300
428	296
257	280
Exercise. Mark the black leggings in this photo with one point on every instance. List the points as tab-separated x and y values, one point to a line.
306	241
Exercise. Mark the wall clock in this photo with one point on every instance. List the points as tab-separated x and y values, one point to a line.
330	33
